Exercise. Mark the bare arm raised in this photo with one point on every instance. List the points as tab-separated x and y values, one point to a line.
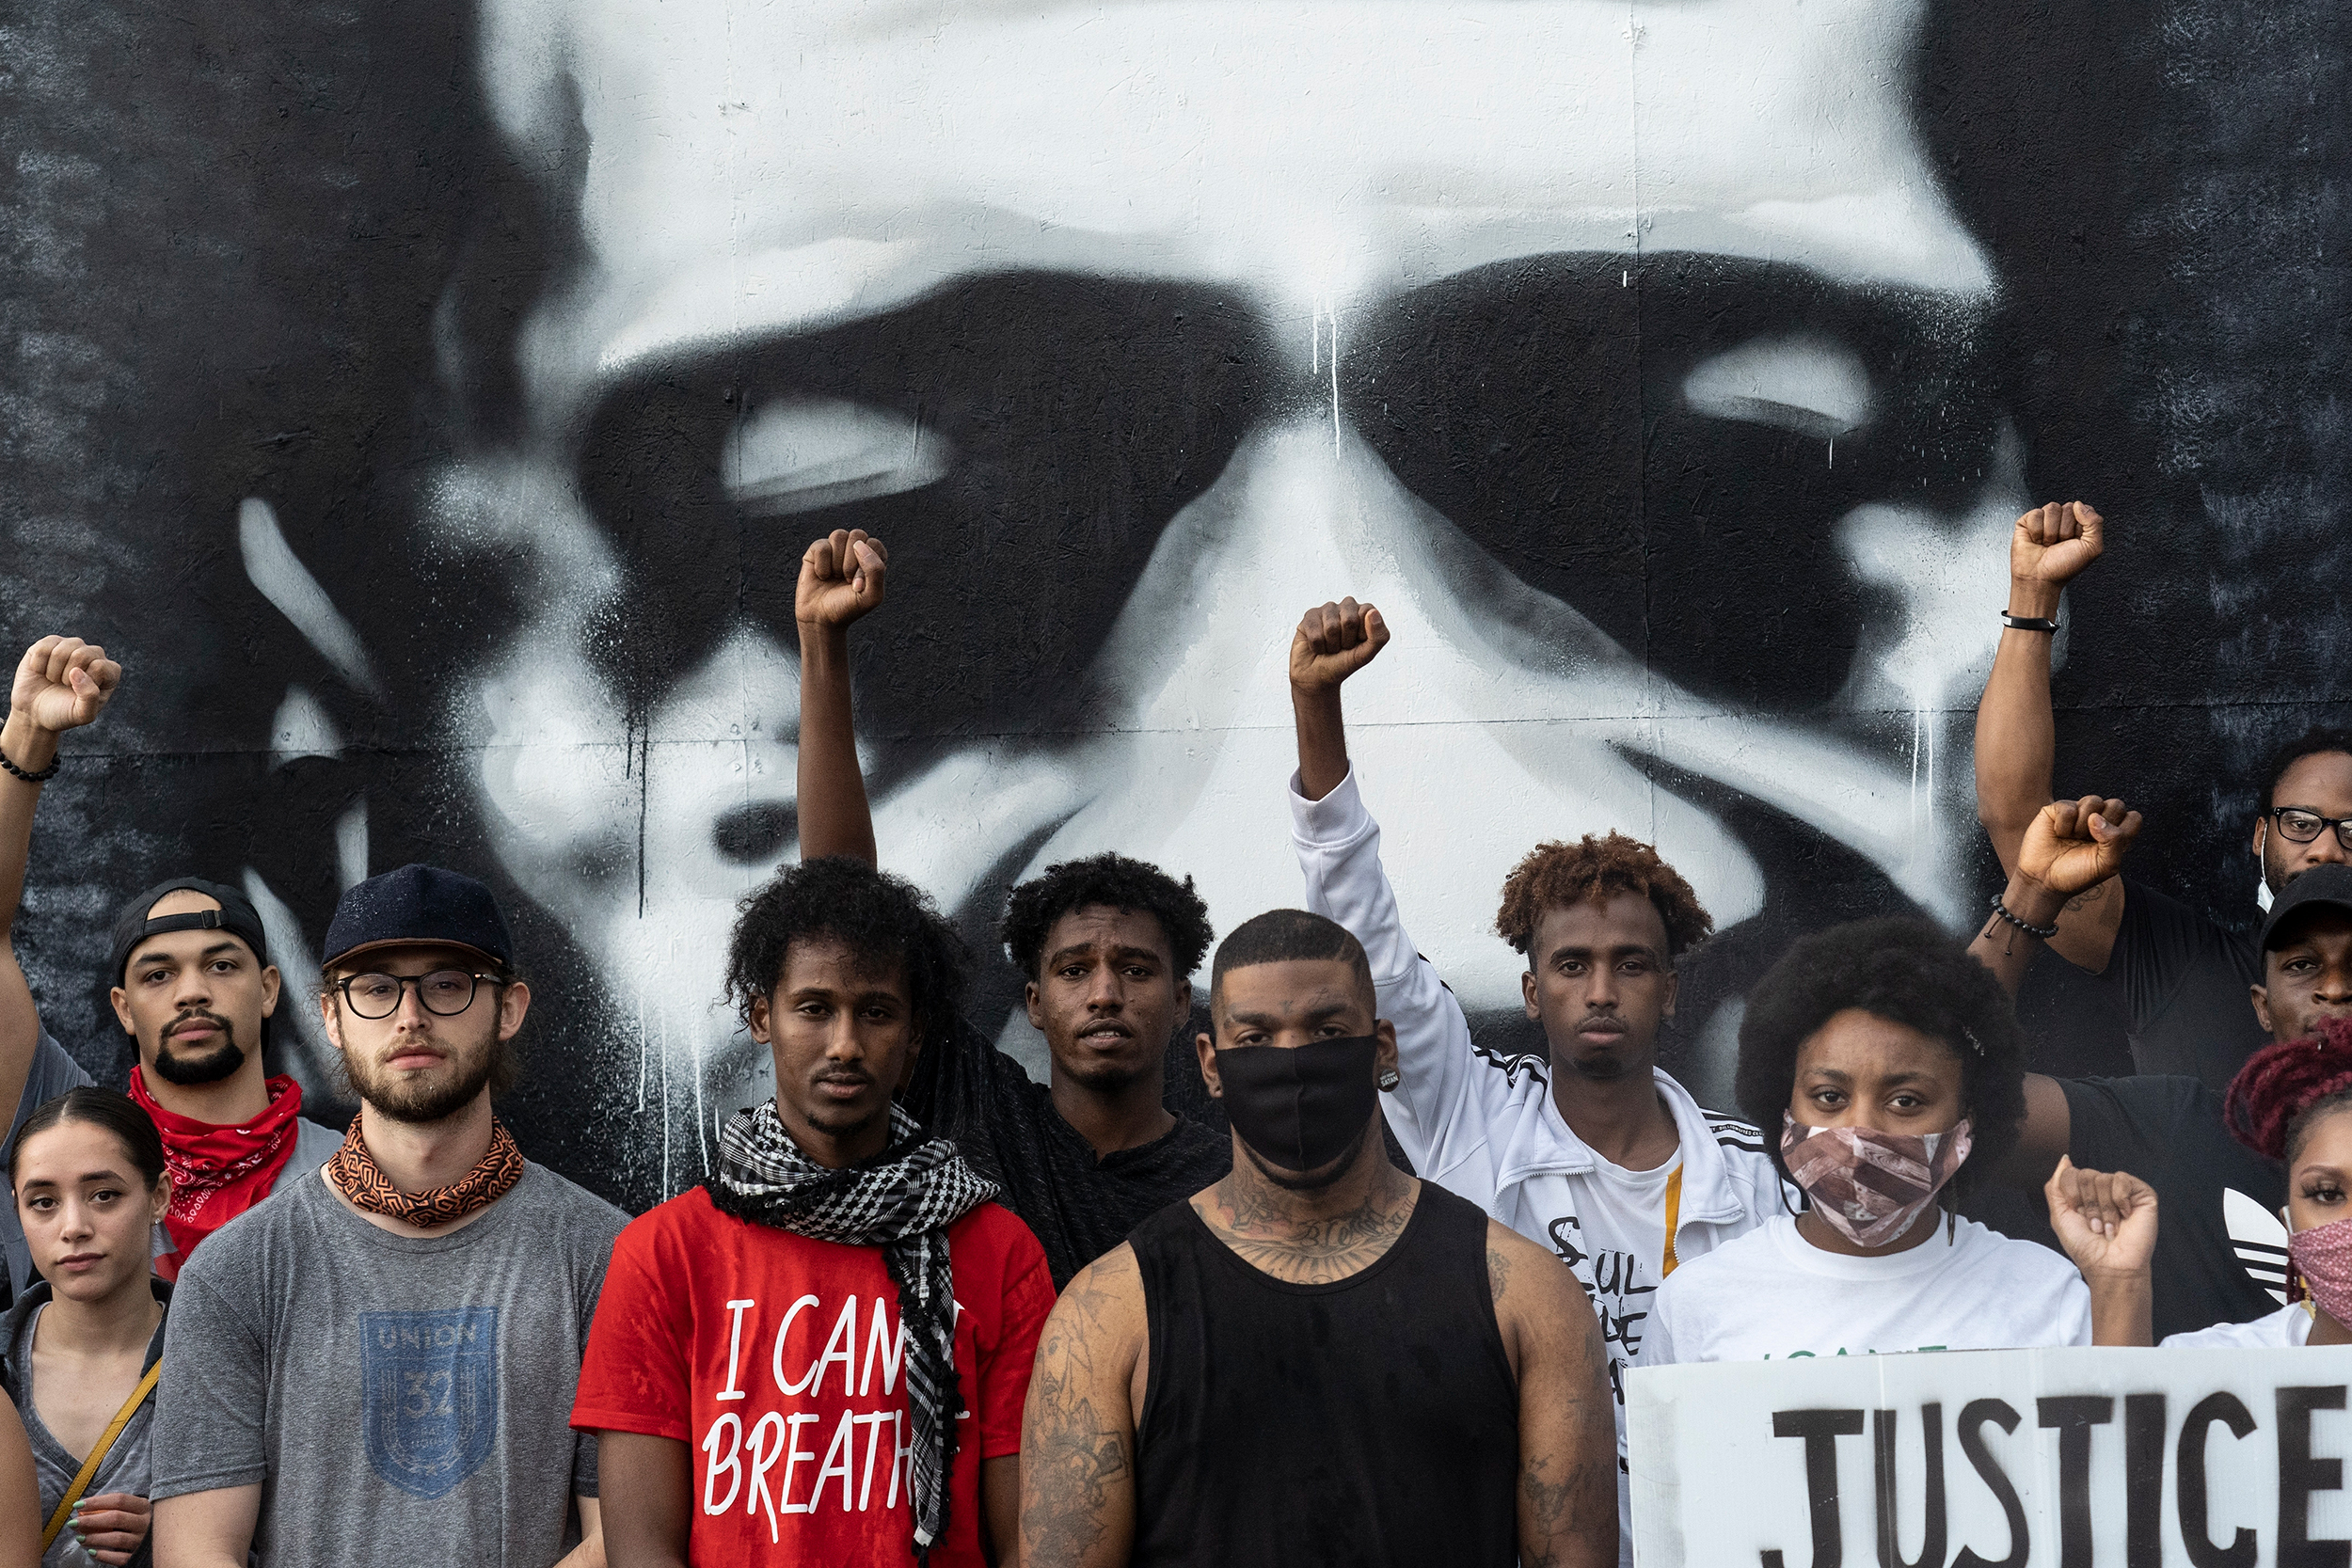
1332	642
2016	731
1078	1428
61	683
842	579
1567	1491
2069	849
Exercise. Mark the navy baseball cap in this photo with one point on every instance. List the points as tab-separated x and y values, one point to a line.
236	915
415	905
2322	886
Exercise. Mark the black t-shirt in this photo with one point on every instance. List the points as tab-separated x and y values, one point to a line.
2182	980
1079	1207
2221	1245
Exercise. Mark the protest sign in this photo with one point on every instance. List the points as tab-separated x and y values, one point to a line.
1996	1458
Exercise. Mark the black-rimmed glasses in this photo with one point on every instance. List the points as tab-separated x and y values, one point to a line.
445	992
2304	825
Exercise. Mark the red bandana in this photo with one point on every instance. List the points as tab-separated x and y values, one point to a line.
218	1172
355	1176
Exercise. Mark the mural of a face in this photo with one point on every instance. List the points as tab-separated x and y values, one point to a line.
1628	357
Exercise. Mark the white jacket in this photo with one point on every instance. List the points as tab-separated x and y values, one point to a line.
1485	1127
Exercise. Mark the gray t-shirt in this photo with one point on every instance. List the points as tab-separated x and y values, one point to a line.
124	1468
402	1400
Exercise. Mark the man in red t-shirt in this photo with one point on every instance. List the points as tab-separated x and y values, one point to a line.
820	1356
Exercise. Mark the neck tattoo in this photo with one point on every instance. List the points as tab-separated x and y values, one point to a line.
1251	1217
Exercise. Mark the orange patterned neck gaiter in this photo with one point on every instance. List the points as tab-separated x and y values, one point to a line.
355	1176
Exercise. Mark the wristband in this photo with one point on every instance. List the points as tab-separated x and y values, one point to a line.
43	777
2027	623
2044	932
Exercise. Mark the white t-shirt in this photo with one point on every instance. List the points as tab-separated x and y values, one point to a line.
1610	1229
2288	1328
1771	1295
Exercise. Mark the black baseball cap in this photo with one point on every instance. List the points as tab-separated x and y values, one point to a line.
2322	886
415	905
236	915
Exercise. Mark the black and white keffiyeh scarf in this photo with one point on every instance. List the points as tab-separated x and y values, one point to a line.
903	1201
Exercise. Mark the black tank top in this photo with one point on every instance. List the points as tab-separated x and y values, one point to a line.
1371	1421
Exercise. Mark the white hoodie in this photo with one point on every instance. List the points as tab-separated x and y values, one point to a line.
1485	1127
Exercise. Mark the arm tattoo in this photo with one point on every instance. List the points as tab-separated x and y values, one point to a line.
1498	1273
1077	1451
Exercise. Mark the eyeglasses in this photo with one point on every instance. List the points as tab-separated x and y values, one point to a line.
2304	825
445	992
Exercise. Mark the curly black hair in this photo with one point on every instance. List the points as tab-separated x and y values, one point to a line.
1108	881
2311	743
884	920
1906	970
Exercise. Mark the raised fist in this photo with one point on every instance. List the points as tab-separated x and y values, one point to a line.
2054	542
841	578
63	683
2106	1220
1333	642
2073	846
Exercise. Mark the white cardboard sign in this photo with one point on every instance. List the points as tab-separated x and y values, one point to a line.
1996	1458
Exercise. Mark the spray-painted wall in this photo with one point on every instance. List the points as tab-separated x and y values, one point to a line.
430	404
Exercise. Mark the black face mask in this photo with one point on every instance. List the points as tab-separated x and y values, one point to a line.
1302	1108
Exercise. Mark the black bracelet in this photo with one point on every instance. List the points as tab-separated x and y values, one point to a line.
2027	623
43	777
2044	932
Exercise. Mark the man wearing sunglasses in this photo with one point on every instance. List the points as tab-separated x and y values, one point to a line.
2182	977
427	1287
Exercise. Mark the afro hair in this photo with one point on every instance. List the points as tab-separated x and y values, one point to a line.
2284	1089
1592	871
886	921
1903	969
1106	881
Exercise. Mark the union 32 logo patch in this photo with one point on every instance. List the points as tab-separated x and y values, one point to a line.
431	1395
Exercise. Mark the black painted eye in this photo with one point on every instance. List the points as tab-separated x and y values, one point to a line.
1687	500
755	834
1020	441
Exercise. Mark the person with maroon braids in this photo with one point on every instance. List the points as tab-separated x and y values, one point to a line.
2287	1103
1590	1149
375	1368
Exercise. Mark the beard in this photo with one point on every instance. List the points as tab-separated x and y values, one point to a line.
422	1100
205	1067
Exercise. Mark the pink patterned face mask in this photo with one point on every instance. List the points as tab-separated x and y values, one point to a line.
1871	1185
2323	1255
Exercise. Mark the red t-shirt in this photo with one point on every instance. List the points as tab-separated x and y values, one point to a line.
779	1360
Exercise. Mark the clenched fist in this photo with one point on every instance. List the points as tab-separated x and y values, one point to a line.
841	578
2106	1220
63	683
2073	846
1333	642
2054	542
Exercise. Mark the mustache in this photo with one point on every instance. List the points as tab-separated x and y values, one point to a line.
199	1014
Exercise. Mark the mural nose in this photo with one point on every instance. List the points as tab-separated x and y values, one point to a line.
1492	723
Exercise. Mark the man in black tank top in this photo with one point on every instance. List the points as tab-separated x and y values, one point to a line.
1319	1359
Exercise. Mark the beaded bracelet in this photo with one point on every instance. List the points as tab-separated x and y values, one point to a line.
2044	932
43	777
